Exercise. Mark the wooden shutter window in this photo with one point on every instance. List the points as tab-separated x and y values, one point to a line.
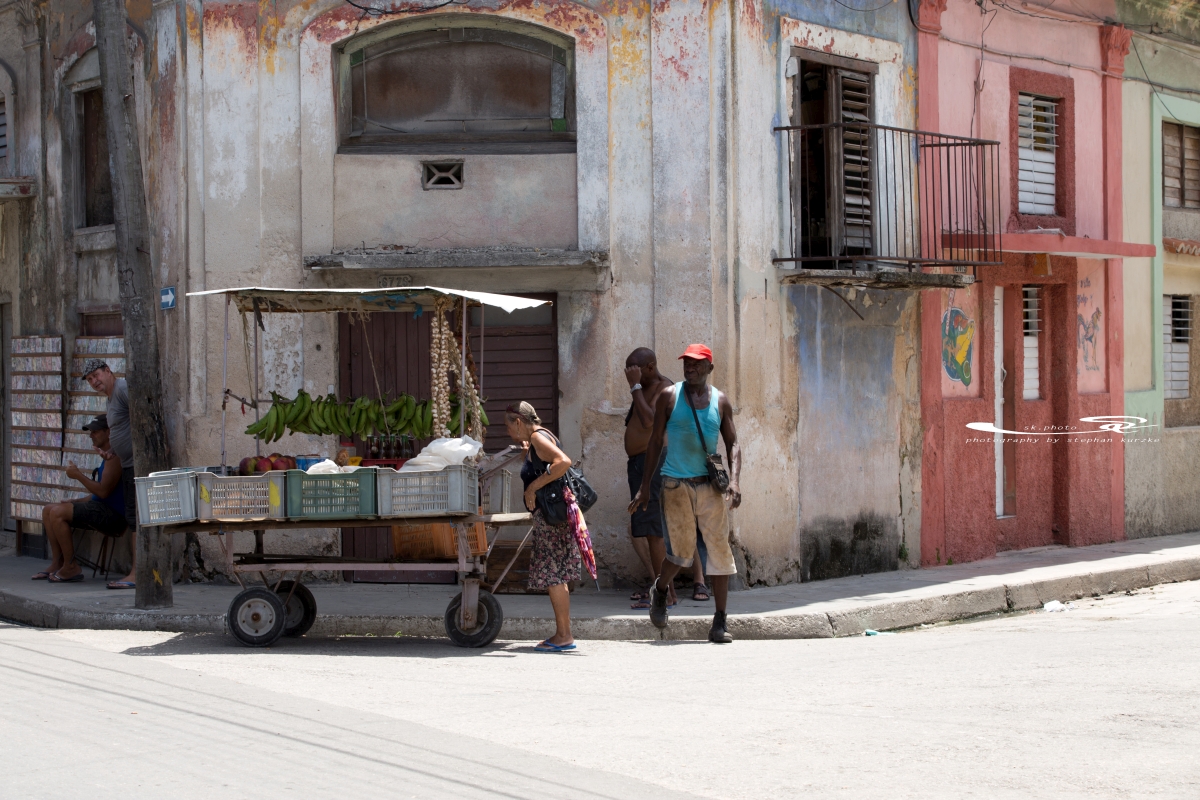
853	202
1181	166
3	129
1037	143
1177	336
1031	324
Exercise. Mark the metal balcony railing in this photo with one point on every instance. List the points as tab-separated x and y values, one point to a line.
866	197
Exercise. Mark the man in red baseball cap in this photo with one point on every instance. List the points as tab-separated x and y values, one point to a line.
696	484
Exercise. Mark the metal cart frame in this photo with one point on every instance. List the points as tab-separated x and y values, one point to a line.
259	616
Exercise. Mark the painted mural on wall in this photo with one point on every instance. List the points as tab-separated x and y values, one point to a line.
960	360
1089	326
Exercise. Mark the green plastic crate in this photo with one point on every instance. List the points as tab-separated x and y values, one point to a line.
348	495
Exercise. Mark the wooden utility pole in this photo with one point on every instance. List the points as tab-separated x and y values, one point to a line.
138	296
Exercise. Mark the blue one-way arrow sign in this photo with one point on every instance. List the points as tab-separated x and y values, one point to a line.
166	299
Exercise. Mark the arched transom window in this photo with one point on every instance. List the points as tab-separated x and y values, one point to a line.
459	88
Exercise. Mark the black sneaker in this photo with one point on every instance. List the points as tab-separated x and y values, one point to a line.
717	633
658	606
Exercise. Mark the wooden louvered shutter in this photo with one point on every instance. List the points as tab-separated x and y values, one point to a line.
1191	167
1172	166
1037	145
851	184
1181	166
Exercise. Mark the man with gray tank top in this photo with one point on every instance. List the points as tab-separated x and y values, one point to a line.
101	378
689	500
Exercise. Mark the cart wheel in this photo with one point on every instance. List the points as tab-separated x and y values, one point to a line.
300	612
489	617
256	617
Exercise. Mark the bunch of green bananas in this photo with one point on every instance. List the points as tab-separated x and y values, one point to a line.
407	417
323	416
456	415
362	417
271	426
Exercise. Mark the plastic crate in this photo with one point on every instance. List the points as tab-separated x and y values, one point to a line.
453	490
241	497
345	495
435	540
499	499
167	498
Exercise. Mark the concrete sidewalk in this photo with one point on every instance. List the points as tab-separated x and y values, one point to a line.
842	607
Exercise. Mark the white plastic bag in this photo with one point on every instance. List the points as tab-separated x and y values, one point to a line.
441	453
425	463
454	451
1054	606
325	467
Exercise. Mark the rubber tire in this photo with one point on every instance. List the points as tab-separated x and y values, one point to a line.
266	634
301	612
491	615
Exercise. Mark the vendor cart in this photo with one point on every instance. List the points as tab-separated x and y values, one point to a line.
283	606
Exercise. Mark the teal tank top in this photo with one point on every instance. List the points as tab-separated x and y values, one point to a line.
685	456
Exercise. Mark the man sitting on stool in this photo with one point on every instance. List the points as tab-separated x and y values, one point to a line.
104	512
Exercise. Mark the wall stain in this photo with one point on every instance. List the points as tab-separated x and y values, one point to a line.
835	548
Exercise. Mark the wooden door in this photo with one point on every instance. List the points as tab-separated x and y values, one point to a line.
516	359
388	353
382	354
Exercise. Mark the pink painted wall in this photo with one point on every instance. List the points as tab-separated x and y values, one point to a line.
1067	492
988	118
1091	324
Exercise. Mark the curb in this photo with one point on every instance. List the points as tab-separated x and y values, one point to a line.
884	615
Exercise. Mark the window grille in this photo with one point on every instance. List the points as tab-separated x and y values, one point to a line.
3	129
1177	336
1037	141
1181	166
1031	325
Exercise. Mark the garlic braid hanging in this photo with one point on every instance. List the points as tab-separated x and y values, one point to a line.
442	363
468	396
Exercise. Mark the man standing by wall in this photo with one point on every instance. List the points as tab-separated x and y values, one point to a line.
689	499
120	437
646	383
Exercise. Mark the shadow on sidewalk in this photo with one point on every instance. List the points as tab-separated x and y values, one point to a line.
383	646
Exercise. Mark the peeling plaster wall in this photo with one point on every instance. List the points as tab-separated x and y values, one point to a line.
829	403
522	201
850	507
677	175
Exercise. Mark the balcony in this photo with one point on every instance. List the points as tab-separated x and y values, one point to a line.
876	205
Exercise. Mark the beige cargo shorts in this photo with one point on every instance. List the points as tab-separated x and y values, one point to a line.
688	506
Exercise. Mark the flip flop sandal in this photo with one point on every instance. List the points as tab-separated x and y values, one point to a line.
641	605
73	579
547	647
41	576
700	593
122	585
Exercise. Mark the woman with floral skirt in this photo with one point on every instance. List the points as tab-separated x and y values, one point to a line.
555	560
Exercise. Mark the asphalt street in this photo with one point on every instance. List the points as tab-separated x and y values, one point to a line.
1102	700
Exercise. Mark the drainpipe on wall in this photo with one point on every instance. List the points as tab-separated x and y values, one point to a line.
933	496
1114	46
